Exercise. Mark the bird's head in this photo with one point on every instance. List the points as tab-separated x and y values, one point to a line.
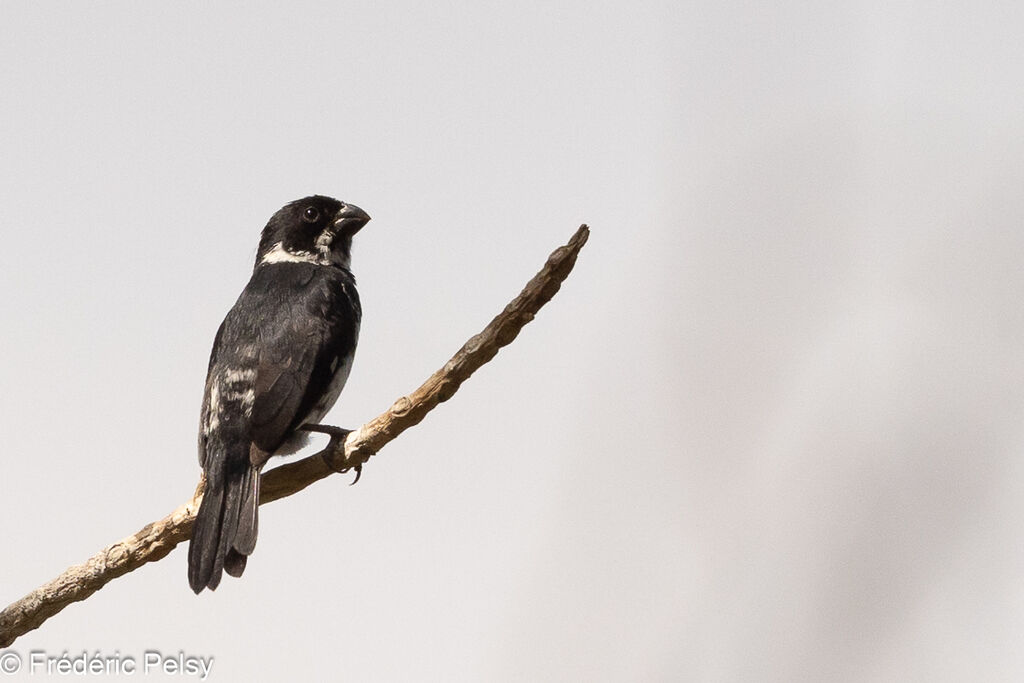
316	229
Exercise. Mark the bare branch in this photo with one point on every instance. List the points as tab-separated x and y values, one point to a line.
154	541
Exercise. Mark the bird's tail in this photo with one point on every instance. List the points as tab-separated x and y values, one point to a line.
224	532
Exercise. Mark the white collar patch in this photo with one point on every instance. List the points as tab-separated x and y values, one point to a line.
278	254
323	256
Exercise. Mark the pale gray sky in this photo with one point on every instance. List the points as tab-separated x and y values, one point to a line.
770	429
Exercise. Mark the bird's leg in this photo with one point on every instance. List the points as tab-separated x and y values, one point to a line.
338	436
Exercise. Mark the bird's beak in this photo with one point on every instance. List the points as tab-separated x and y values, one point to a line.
350	218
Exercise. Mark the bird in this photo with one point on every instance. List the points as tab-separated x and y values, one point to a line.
279	361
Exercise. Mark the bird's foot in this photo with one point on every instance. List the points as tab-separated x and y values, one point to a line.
338	436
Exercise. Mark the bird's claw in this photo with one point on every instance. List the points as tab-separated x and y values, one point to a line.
338	435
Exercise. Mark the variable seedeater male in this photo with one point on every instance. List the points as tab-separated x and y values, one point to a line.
279	361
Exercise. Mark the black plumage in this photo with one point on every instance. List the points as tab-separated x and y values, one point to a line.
279	361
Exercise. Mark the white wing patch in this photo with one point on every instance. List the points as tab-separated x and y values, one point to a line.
213	412
239	376
246	397
230	390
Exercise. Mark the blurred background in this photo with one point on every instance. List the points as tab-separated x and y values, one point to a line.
769	430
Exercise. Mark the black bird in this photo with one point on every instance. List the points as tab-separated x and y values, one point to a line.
279	361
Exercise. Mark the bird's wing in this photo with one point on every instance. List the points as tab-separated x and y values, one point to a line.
204	412
304	342
282	386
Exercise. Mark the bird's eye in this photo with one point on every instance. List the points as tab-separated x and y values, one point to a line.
311	214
